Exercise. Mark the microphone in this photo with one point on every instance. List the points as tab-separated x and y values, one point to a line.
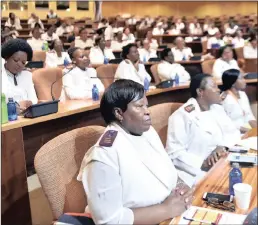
51	89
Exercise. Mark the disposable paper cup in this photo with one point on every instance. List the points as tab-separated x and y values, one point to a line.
242	195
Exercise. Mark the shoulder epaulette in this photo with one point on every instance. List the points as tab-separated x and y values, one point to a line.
189	108
108	138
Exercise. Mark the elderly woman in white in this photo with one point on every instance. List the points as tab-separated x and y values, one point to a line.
236	103
199	131
224	62
168	69
99	54
128	159
250	50
131	68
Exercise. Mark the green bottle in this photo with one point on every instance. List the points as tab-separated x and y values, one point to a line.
4	110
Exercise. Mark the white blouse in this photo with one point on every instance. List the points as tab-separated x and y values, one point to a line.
78	83
250	52
145	55
238	109
83	44
52	59
24	90
186	53
97	56
220	66
36	44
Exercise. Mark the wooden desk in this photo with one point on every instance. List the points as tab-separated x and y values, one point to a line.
167	38
24	137
217	181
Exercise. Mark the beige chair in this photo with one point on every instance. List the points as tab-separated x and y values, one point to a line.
251	65
39	56
240	53
207	66
43	79
106	74
159	116
154	71
204	47
57	164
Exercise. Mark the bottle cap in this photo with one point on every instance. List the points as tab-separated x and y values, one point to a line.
235	165
10	99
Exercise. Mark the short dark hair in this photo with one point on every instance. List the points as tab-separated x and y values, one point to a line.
71	51
82	29
52	43
222	49
252	37
87	48
97	40
118	95
16	45
126	50
229	77
198	81
164	53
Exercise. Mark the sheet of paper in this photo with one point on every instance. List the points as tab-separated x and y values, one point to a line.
221	217
250	143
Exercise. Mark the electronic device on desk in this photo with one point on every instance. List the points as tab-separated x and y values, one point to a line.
238	149
243	160
221	198
196	58
34	64
251	218
41	109
165	84
154	60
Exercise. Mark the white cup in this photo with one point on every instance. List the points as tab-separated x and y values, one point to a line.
242	195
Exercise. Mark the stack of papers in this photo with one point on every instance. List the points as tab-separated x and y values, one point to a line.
210	217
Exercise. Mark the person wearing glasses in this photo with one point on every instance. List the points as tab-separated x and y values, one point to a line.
128	159
19	84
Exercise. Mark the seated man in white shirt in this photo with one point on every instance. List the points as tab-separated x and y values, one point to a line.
51	14
146	52
131	68
128	36
109	33
17	82
215	41
181	52
158	30
172	30
250	50
61	30
118	43
238	41
168	69
179	24
212	30
50	35
78	81
224	62
83	41
103	23
195	27
33	20
36	42
99	54
57	56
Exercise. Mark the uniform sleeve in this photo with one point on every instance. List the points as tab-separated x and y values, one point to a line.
144	73
102	184
31	91
247	107
216	70
72	91
184	75
177	141
164	72
123	71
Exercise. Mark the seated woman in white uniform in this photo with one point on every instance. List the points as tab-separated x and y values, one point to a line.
181	52
17	82
200	130
128	36
57	56
100	54
250	50
129	158
236	103
79	80
131	68
224	62
167	68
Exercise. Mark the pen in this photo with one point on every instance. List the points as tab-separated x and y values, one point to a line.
201	221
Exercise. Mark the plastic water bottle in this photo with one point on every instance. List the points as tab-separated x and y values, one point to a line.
144	59
4	110
176	80
184	58
105	60
11	108
66	62
235	177
146	84
95	93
